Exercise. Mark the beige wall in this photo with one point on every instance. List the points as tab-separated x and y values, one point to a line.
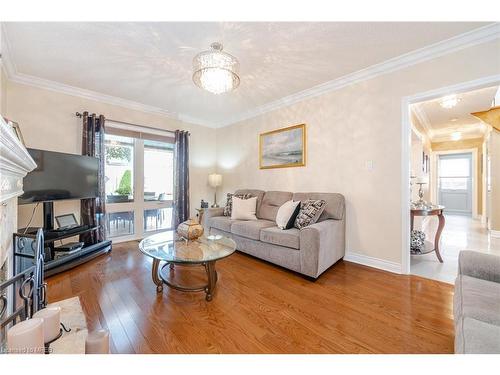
47	120
464	144
346	129
494	150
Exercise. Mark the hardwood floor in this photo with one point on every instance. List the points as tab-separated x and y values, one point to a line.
260	308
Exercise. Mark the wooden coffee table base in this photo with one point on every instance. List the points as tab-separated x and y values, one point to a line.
160	277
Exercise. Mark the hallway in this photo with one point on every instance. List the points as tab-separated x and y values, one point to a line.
460	233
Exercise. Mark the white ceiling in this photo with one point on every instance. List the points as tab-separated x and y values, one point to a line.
150	63
440	122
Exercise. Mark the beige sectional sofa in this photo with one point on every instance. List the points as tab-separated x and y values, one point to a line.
476	304
309	251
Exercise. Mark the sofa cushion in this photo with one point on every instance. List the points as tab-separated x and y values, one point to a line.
276	236
244	209
334	204
285	218
309	213
228	209
254	193
250	229
476	337
478	299
271	202
220	222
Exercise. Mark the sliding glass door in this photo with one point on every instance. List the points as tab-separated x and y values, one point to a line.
139	184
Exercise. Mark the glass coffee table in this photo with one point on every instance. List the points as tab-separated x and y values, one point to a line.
166	248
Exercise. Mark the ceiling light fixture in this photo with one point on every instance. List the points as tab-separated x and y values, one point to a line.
449	101
456	136
216	71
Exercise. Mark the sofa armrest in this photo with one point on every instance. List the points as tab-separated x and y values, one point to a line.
212	212
479	265
321	245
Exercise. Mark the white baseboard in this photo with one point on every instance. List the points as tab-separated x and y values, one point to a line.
373	262
495	233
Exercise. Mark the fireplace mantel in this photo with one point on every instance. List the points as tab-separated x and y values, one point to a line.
15	163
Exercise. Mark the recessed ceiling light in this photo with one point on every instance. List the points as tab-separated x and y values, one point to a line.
455	136
449	101
454	119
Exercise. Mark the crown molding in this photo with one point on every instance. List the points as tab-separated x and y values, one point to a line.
469	39
423	120
462	41
26	79
102	98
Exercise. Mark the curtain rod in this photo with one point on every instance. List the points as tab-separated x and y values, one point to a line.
78	114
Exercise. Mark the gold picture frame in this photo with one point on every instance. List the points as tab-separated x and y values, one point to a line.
283	148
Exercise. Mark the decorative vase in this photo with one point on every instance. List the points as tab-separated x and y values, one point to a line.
190	230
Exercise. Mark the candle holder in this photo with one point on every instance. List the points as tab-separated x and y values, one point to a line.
61	332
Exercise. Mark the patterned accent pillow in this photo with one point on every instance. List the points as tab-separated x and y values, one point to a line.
310	211
417	242
229	202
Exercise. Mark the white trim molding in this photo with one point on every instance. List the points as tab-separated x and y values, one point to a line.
456	43
424	120
366	260
495	233
14	75
15	163
405	151
462	41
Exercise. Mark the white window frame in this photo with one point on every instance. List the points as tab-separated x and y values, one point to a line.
138	206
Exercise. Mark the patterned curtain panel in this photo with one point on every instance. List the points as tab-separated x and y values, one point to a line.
93	210
181	177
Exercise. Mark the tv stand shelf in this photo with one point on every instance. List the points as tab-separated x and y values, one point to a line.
52	235
24	255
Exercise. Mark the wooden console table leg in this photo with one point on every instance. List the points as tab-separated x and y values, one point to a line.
438	236
212	279
156	278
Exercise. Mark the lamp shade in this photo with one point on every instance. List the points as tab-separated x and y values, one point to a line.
422	180
214	180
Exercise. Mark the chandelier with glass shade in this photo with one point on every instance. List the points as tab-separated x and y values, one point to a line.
216	71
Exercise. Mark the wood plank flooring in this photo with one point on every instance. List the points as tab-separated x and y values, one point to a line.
260	308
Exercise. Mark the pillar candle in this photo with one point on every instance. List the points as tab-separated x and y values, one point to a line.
51	322
97	342
26	337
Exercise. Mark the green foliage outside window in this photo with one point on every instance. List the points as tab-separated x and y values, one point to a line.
125	187
118	153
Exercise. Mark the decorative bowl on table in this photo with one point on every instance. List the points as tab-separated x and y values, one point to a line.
190	230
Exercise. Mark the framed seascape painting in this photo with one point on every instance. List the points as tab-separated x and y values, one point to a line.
283	148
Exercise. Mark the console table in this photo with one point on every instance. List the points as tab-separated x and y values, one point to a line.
430	211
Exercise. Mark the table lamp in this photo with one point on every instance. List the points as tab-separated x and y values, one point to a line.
215	180
421	180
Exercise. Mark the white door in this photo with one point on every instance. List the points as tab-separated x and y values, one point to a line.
139	185
455	183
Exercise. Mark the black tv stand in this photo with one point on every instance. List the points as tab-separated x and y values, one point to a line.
52	265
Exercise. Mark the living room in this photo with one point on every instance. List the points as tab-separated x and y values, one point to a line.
230	187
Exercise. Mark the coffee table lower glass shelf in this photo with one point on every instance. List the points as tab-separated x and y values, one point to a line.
168	252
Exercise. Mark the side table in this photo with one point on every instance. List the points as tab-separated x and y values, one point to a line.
431	211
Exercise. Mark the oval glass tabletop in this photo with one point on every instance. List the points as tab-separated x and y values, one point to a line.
166	247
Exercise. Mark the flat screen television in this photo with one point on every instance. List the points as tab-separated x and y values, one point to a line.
60	176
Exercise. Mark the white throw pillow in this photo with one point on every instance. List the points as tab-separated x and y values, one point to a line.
285	217
244	209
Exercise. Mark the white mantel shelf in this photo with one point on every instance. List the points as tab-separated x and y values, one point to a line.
15	163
